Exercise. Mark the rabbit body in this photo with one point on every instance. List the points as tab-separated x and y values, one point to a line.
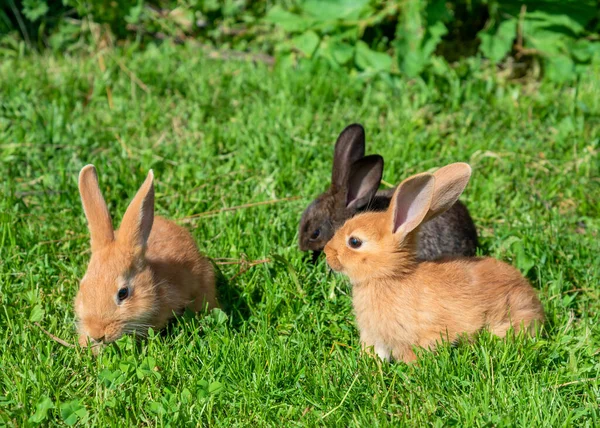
183	278
441	300
401	302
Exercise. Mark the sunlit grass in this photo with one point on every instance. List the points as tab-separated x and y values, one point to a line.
229	134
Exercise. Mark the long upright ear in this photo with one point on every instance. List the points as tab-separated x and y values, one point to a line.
94	206
364	180
450	181
137	221
410	203
349	147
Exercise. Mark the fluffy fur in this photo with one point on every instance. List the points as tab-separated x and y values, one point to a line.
355	181
155	260
401	302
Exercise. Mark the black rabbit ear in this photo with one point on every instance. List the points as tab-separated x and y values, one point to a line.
349	147
364	181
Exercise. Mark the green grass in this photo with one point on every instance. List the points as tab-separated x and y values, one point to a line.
224	134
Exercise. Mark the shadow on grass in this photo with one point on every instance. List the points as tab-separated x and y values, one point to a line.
233	301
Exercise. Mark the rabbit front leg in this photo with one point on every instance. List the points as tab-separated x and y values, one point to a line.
404	353
373	347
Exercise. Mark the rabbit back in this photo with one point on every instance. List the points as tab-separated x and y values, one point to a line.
453	233
184	277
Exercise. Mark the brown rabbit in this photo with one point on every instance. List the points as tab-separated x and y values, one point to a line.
355	181
139	275
401	303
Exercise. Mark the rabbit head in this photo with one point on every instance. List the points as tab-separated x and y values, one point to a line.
117	295
354	182
383	244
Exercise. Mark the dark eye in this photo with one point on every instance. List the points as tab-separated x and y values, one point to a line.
315	234
122	294
354	242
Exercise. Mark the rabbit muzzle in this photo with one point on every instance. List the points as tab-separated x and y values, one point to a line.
333	261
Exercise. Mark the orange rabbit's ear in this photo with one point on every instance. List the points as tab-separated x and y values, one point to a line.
450	181
139	217
410	203
96	211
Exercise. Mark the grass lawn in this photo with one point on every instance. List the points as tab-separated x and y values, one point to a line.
226	134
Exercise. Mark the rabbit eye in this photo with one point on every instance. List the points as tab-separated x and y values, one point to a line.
122	294
315	234
354	242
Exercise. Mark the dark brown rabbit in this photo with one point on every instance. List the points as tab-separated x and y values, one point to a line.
355	181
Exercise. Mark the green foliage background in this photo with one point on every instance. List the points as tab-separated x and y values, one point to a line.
554	39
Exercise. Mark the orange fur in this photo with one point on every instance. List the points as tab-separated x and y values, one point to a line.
401	303
157	261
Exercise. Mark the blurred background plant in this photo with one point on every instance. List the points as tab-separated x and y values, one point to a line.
550	39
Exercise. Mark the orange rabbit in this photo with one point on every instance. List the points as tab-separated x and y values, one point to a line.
138	276
400	302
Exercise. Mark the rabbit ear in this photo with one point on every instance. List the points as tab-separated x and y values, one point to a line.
410	203
364	180
349	147
450	181
137	221
96	211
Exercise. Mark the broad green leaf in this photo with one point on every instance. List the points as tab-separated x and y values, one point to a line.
558	22
186	396
41	410
215	387
547	43
338	53
594	49
522	260
412	64
551	12
342	52
211	5
368	59
219	316
409	36
330	10
288	21
36	314
72	412
433	38
306	43
156	408
202	389
110	378
147	369
495	46
580	50
286	60
559	68
35	9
